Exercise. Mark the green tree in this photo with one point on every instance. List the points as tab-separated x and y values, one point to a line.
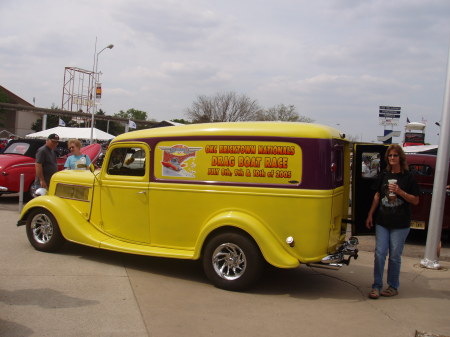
101	124
114	128
180	120
282	112
3	99
132	114
223	107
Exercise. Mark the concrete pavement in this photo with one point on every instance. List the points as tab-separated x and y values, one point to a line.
82	291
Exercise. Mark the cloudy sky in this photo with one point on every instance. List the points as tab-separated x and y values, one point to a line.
336	61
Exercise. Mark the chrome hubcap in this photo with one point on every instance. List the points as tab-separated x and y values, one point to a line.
42	228
229	261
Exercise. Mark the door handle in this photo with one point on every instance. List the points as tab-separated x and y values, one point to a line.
141	192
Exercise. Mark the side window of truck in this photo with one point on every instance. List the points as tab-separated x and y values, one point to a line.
128	161
370	164
338	166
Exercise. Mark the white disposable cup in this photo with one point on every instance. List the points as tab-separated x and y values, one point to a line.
391	182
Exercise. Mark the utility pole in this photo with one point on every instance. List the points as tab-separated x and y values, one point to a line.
430	259
95	84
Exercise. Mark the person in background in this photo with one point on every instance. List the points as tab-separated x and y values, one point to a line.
392	201
365	168
77	160
46	164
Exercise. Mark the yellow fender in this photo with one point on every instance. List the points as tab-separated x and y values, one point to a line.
74	227
272	250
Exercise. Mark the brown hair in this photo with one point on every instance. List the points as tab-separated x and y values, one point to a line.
401	154
75	142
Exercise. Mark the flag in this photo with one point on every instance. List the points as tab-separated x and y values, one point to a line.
407	120
61	122
131	124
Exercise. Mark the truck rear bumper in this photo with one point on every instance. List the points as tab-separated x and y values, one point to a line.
342	256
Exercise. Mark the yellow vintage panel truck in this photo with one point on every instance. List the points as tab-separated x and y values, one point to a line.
231	194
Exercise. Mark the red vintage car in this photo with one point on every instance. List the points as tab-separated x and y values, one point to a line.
19	158
423	167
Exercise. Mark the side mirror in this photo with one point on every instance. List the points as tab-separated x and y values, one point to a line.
92	167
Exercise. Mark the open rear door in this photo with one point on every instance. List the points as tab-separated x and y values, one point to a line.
367	164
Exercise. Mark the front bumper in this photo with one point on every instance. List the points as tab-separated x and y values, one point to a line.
21	223
345	252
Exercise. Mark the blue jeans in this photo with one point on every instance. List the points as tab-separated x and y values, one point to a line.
392	240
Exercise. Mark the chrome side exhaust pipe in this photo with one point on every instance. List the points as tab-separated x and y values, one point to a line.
332	266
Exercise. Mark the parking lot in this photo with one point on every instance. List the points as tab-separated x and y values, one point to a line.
83	291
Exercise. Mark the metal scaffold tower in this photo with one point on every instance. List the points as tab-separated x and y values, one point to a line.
78	91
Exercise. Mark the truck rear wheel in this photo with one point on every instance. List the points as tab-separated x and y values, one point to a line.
232	261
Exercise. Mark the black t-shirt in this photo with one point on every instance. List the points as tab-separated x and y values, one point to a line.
395	213
47	158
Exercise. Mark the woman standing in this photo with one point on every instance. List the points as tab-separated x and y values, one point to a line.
396	189
77	160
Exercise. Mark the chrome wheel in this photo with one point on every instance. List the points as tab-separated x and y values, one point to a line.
232	260
43	231
42	228
229	261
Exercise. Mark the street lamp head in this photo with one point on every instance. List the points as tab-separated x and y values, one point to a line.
95	80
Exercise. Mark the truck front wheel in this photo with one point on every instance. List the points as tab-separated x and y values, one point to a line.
232	261
43	231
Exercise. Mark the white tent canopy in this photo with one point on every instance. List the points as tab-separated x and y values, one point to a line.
66	133
415	126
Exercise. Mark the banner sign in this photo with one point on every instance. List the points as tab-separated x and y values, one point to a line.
414	137
98	91
389	115
230	161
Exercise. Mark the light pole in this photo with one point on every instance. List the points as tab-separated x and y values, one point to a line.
94	85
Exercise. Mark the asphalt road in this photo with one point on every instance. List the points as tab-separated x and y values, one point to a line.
82	291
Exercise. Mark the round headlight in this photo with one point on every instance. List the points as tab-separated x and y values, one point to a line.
41	191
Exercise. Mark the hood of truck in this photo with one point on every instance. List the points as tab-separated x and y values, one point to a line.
74	177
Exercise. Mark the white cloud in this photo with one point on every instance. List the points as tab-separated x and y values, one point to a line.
336	61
